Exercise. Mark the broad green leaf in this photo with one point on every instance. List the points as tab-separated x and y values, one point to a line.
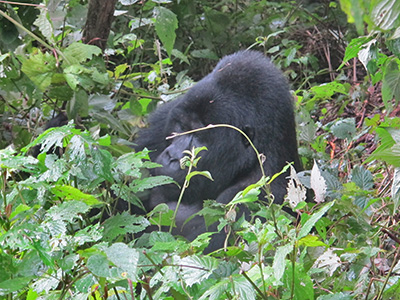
391	83
354	48
327	90
44	25
344	129
78	52
311	241
299	281
362	177
79	104
354	10
165	25
121	224
306	228
15	284
40	68
99	265
197	269
124	258
68	192
250	196
140	185
385	14
279	264
234	285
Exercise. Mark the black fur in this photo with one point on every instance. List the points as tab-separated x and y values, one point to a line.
245	90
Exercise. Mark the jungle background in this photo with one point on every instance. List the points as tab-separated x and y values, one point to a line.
100	67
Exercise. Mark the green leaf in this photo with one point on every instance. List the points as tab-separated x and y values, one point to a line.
166	23
311	241
40	68
299	281
99	265
306	228
362	177
14	284
391	83
68	192
344	129
78	52
161	215
140	185
385	14
79	104
121	224
197	269
233	285
44	25
279	264
124	258
339	296
202	173
355	46
68	211
242	197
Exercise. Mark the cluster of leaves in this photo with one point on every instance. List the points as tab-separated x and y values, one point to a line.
68	223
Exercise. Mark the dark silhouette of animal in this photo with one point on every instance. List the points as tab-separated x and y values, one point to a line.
244	90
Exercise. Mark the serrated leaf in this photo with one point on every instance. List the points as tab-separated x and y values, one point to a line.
296	192
67	211
124	258
40	68
234	285
197	269
121	224
79	52
99	265
166	23
140	185
79	103
344	129
329	261
15	284
68	192
161	215
362	177
391	81
318	183
354	48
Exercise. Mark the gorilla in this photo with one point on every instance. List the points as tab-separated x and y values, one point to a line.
244	90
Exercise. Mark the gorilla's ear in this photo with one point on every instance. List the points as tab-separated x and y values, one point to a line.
249	131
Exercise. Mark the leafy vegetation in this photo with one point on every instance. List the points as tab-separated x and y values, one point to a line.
65	232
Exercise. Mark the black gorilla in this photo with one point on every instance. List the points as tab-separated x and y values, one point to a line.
244	90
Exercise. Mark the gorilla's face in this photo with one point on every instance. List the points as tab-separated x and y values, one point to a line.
223	145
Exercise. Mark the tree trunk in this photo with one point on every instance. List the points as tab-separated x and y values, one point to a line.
98	24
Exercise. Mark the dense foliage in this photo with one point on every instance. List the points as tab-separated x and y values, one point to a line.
65	232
